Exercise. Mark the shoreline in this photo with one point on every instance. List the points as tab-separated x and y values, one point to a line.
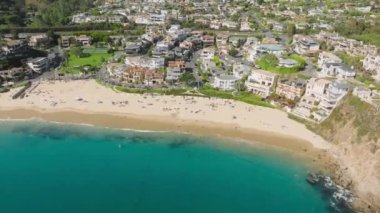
87	102
317	159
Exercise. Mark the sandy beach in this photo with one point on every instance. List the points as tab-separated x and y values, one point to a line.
88	97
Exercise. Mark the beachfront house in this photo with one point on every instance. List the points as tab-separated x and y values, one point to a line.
335	92
174	70
143	75
261	82
143	61
134	75
154	77
116	70
225	82
317	87
39	65
320	99
292	89
173	73
241	70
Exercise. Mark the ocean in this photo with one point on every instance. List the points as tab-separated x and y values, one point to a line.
47	167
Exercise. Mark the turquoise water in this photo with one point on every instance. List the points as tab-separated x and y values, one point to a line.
60	168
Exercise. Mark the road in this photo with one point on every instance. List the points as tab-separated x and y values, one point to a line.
310	69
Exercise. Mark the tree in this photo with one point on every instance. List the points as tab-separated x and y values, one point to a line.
14	34
270	26
291	30
187	78
233	52
77	51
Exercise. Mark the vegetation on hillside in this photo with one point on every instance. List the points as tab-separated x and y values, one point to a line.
353	114
360	29
356	62
58	12
12	13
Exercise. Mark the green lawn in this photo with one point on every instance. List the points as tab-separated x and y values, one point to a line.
283	70
217	61
93	57
246	97
94	60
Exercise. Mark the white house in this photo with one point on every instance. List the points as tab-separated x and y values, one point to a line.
208	53
372	63
230	24
287	62
157	18
317	87
140	61
315	12
39	65
262	49
225	82
366	9
174	29
215	24
320	98
337	70
240	70
116	70
304	44
363	93
261	82
335	92
327	57
173	73
245	26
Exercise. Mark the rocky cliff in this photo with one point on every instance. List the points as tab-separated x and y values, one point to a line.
354	127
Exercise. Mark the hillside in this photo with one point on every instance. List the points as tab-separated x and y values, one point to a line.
354	127
57	12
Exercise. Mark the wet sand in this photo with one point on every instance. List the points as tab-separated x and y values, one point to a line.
318	159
